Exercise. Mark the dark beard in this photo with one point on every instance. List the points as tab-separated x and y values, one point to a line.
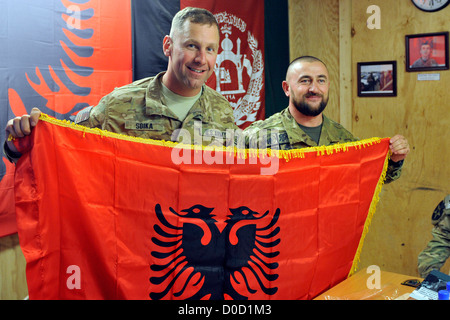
304	108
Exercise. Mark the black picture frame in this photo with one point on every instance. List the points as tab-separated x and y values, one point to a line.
377	79
433	46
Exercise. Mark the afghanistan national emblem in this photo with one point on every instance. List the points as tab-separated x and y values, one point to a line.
239	72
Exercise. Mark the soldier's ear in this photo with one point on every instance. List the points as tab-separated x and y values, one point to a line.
167	44
285	86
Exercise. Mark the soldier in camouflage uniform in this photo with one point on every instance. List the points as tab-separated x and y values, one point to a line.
437	251
139	110
157	107
302	124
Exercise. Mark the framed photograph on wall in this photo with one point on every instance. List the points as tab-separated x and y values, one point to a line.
427	51
377	79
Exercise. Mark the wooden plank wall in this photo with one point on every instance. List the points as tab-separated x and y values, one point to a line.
314	30
401	229
13	285
401	226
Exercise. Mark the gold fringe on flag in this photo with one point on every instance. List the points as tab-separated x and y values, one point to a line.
372	209
241	153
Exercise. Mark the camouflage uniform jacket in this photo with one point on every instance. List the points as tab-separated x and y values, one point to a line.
437	251
139	110
291	136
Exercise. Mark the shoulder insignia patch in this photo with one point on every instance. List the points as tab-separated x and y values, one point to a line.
83	115
438	212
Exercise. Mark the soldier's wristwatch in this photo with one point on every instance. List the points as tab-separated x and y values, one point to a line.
10	155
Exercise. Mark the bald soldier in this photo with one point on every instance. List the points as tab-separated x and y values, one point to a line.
160	107
437	250
302	124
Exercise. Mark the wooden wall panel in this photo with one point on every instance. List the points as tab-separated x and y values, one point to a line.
314	30
402	225
13	285
345	64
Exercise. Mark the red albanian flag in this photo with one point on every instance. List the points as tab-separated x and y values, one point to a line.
105	216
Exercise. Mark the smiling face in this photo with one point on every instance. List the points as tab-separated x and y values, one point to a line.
307	85
192	53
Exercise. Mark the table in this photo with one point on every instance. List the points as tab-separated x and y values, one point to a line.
363	285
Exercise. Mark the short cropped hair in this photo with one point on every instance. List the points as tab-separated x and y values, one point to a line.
193	15
304	58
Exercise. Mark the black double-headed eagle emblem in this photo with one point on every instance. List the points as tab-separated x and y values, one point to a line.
196	253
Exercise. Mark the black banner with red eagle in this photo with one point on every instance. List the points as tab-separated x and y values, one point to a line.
59	56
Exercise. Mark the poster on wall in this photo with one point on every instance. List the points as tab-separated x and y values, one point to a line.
377	79
427	52
60	56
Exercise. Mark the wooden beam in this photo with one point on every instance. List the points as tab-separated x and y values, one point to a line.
345	64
